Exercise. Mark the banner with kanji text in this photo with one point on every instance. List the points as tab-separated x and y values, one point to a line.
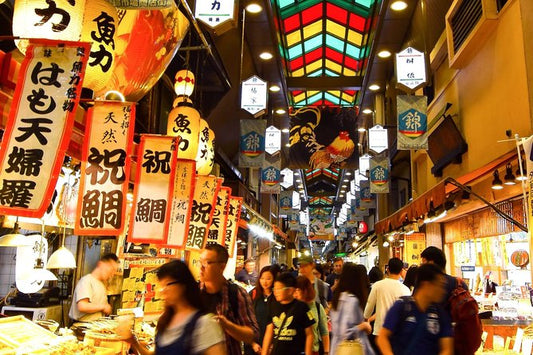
232	223
252	143
105	168
217	230
379	174
412	122
39	126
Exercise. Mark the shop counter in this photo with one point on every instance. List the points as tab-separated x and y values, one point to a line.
503	328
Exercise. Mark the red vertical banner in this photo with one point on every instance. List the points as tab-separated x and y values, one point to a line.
217	230
203	207
40	124
181	203
232	224
154	186
105	168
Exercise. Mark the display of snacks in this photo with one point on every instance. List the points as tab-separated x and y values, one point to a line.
18	331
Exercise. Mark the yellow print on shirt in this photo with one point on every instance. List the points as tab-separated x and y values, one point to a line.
285	333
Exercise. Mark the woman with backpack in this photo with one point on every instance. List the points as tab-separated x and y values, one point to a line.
183	328
305	292
262	299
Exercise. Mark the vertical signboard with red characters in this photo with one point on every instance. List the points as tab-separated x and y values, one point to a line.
39	126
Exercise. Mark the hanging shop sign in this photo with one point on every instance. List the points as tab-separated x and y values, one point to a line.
270	175
141	4
378	139
232	224
254	95
412	122
321	228
39	125
272	140
26	279
205	142
368	199
410	68
321	139
216	12
184	122
287	178
379	175
154	185
92	21
203	206
181	203
252	143
105	169
414	243
364	166
217	230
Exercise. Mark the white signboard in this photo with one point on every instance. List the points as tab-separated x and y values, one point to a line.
287	178
364	164
214	12
254	95
411	68
378	139
296	202
272	140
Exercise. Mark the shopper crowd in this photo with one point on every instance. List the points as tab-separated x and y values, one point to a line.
293	311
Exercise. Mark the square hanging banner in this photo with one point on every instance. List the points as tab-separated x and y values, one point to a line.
181	203
368	199
252	143
232	224
154	186
379	175
412	122
40	124
105	169
203	207
270	175
217	230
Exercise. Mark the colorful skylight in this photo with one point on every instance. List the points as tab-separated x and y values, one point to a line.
322	38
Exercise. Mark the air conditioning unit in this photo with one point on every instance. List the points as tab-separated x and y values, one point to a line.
468	25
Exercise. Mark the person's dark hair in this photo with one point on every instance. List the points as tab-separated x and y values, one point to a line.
295	262
410	276
286	278
427	272
222	253
258	288
395	266
436	255
320	269
354	280
249	261
178	271
109	257
275	269
338	259
306	287
375	274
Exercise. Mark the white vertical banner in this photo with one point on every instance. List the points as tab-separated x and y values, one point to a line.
272	140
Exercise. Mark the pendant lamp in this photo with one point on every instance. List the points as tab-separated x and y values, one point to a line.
15	239
62	258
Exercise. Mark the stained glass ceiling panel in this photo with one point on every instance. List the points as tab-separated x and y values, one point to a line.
321	38
314	173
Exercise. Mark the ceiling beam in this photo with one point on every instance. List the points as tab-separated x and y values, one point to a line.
325	83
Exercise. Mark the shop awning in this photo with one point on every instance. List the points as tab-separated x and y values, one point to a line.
435	196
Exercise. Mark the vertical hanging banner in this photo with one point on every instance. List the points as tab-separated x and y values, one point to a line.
287	178
412	122
217	230
254	95
368	200
379	175
40	124
272	140
105	169
203	207
205	140
232	223
414	245
181	203
528	149
378	140
154	186
270	175
285	201
252	143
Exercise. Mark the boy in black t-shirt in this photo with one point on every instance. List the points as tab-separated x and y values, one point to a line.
290	330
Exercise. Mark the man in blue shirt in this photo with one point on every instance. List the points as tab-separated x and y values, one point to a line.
418	324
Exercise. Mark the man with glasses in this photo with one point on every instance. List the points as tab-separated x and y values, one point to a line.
230	303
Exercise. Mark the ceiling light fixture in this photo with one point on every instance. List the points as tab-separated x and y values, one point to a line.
509	178
285	130
15	239
254	8
367	111
266	56
348	173
274	88
280	111
496	182
374	87
288	145
399	5
361	129
521	174
384	54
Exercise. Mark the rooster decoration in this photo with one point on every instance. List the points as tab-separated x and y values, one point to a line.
303	139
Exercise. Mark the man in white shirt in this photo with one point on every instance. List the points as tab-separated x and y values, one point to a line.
384	293
89	301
